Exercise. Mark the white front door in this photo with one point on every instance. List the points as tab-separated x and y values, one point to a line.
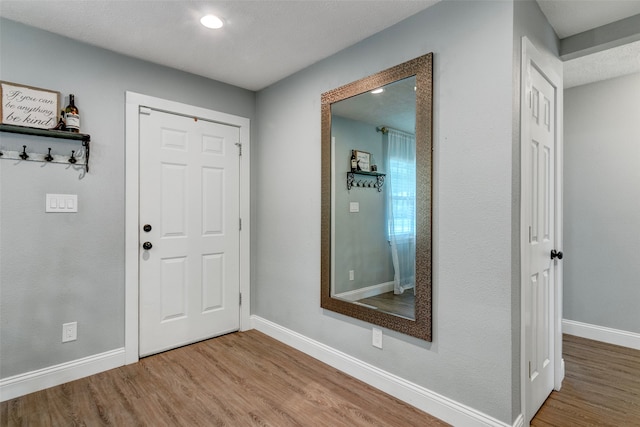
189	230
539	291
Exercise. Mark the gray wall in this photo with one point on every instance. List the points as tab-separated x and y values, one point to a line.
361	241
470	359
602	203
57	268
76	271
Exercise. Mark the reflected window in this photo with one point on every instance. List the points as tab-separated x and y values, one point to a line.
401	185
401	207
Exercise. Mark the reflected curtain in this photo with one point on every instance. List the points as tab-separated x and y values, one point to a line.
401	207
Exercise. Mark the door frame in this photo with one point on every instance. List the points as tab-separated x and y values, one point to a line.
132	169
531	57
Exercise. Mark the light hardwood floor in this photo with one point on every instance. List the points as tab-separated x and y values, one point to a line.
402	305
249	379
241	379
601	387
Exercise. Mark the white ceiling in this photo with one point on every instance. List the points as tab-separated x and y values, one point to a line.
395	107
607	64
571	17
263	41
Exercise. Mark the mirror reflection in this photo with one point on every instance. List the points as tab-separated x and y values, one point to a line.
376	198
374	195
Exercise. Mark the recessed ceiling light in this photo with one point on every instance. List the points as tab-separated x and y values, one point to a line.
211	21
379	90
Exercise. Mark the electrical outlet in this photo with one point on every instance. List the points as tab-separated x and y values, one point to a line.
377	338
351	275
69	331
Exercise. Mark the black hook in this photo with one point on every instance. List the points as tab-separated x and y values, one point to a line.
49	157
24	155
72	159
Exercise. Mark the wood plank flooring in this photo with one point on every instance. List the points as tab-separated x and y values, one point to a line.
402	305
241	379
249	379
601	387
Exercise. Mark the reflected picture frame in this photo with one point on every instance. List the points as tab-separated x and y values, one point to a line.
363	160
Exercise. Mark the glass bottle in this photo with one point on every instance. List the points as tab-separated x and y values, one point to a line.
72	115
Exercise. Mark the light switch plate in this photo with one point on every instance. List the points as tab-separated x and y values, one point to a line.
354	207
61	203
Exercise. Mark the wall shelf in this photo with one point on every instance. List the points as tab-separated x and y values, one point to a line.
73	158
367	181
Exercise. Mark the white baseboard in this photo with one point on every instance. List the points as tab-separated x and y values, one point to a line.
33	381
601	333
439	406
369	291
519	422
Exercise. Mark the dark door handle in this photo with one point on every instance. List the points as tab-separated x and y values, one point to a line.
556	254
147	245
147	228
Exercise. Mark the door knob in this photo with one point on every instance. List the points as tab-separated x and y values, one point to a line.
147	245
556	254
147	228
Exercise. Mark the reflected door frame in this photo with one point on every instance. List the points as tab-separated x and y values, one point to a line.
132	193
531	57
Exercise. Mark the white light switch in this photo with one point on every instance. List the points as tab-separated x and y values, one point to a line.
61	203
354	207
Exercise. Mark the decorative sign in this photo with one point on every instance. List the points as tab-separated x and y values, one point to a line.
29	106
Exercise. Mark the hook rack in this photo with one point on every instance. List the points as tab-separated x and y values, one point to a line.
24	155
368	180
76	155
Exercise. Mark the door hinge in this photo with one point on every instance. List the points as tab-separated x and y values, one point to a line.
529	234
240	224
239	148
145	110
240	298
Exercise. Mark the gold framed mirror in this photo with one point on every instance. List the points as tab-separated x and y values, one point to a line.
377	199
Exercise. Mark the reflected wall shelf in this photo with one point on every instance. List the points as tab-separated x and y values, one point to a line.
366	183
72	158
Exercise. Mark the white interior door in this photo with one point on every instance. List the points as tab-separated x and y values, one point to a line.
189	257
539	291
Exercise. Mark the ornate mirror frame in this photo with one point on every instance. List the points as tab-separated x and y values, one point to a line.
422	69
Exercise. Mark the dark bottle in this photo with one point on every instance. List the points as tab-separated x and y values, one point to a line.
354	162
61	125
72	115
